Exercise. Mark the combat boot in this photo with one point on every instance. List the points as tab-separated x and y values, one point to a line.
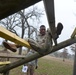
12	47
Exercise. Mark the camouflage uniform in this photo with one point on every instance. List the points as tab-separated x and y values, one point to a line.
31	65
45	41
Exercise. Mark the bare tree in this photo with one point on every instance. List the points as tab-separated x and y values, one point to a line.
10	23
73	47
23	20
27	18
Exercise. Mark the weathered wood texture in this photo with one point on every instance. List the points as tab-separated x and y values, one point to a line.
50	12
5	62
37	55
9	7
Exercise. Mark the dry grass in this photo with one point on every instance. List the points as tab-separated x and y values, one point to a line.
67	61
48	65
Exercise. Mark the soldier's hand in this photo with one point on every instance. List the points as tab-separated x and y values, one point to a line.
36	67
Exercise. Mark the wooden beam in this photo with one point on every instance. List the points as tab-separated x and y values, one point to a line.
74	33
5	55
4	33
37	55
49	8
4	62
9	7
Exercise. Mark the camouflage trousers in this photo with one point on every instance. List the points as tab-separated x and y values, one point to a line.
30	70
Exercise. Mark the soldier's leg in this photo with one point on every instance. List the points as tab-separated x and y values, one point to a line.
32	70
12	47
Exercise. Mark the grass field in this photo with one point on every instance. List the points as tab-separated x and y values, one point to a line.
49	66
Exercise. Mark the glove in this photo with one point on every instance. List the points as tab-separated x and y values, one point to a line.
36	67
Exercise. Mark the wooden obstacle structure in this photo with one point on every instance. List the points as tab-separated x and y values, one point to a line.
36	55
10	7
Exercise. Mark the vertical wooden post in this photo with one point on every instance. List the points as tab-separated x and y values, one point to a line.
49	8
74	69
6	73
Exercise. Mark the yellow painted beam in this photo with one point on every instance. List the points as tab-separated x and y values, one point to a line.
5	62
74	33
4	33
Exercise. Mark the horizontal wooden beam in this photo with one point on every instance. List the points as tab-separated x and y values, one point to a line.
5	55
4	33
9	7
37	55
4	62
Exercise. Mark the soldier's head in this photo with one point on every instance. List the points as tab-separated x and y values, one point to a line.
42	30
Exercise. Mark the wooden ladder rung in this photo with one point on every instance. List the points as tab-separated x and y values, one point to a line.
4	62
4	33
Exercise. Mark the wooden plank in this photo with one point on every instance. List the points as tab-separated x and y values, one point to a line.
4	62
74	33
5	55
9	7
4	33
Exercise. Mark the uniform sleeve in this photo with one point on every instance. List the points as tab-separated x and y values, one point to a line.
48	41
